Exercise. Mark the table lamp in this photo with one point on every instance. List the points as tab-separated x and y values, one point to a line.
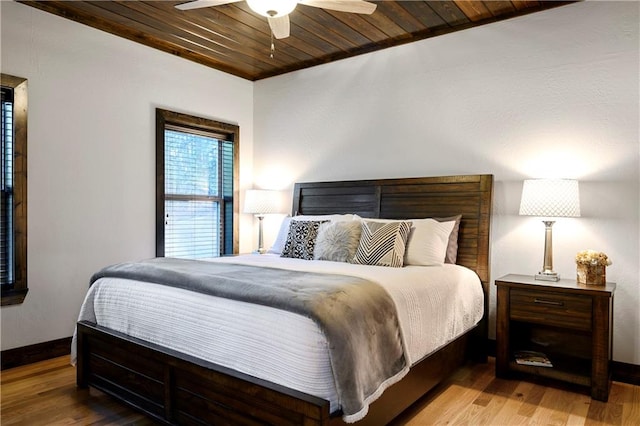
260	202
549	198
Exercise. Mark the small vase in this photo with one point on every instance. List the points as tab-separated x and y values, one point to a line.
591	274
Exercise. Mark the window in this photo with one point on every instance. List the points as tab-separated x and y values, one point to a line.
196	178
13	185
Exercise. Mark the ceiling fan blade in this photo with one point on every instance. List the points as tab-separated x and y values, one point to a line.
280	26
197	4
353	6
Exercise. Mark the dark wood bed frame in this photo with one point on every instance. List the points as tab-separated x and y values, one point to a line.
175	388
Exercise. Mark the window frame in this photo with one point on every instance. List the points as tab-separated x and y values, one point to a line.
18	290
168	119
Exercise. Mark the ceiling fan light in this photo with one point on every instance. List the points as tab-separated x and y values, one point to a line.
272	8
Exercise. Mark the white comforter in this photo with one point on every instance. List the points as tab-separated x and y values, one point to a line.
435	305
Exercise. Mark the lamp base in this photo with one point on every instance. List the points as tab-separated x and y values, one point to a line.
259	251
547	276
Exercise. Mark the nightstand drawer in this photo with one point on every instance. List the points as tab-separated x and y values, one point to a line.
557	309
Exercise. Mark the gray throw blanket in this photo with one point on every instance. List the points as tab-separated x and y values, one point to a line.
357	316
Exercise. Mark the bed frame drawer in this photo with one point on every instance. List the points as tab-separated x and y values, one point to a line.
130	375
555	309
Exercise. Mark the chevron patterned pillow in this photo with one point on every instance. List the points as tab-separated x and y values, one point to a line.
382	244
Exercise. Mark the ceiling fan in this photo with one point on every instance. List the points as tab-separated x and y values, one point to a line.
277	11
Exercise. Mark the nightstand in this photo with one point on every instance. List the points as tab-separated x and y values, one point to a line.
570	323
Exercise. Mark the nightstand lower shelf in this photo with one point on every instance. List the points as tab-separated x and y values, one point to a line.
579	374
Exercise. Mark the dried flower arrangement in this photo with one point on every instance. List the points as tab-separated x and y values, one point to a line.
592	257
591	267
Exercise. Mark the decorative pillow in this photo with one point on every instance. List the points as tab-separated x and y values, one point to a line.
427	244
452	246
281	238
337	241
301	239
382	244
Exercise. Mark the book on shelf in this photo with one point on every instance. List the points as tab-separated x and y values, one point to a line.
534	358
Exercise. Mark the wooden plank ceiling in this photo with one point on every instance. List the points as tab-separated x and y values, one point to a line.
234	39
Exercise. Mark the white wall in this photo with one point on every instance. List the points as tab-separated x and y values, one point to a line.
91	154
549	94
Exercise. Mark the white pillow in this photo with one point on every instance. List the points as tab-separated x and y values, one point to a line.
428	240
281	239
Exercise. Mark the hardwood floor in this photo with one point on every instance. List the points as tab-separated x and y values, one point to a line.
44	393
474	396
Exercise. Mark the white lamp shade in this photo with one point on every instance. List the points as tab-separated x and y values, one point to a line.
262	201
550	198
272	8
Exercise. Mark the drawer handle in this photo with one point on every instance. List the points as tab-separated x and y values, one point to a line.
547	302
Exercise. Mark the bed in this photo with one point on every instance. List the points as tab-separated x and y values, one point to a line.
177	388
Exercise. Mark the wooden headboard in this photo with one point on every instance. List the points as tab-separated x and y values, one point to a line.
412	198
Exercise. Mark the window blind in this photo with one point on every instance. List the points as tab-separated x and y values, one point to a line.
198	194
227	190
6	188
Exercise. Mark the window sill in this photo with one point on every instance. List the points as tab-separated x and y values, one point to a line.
14	296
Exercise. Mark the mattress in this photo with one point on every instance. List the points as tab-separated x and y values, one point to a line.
435	305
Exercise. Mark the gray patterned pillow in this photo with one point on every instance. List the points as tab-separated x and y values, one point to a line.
337	241
383	244
301	239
